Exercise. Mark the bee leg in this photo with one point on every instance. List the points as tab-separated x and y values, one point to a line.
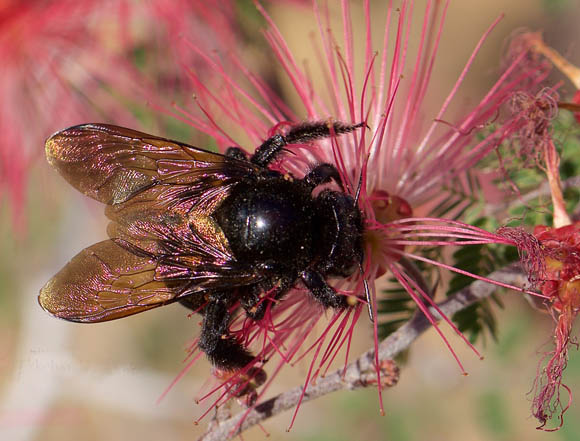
224	351
322	291
236	153
268	151
299	134
321	174
256	305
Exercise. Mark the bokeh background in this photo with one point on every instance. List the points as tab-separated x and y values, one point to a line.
63	381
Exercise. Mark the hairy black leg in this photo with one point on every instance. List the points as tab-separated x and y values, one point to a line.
253	302
250	301
236	153
222	350
268	151
317	130
321	174
322	291
299	133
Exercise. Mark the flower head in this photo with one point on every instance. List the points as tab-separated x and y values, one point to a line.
555	256
561	285
403	165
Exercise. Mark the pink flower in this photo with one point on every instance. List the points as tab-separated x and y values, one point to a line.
555	267
406	163
561	285
66	62
152	30
41	46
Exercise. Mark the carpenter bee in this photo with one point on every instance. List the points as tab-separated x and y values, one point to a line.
213	232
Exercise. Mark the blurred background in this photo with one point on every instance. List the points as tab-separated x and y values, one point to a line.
123	62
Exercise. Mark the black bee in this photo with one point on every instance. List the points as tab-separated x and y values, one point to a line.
210	231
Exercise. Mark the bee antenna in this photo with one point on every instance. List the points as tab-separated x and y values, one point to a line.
367	295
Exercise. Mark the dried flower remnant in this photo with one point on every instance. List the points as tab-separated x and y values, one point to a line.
405	162
532	117
532	133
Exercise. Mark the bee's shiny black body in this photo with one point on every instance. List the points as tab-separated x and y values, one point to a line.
269	221
288	235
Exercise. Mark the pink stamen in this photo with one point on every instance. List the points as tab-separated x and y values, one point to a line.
417	299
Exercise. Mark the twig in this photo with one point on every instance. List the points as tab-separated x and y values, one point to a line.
358	372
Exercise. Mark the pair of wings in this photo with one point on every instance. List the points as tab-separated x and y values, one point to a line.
164	243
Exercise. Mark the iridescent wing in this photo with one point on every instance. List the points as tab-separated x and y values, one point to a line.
165	245
103	282
113	164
